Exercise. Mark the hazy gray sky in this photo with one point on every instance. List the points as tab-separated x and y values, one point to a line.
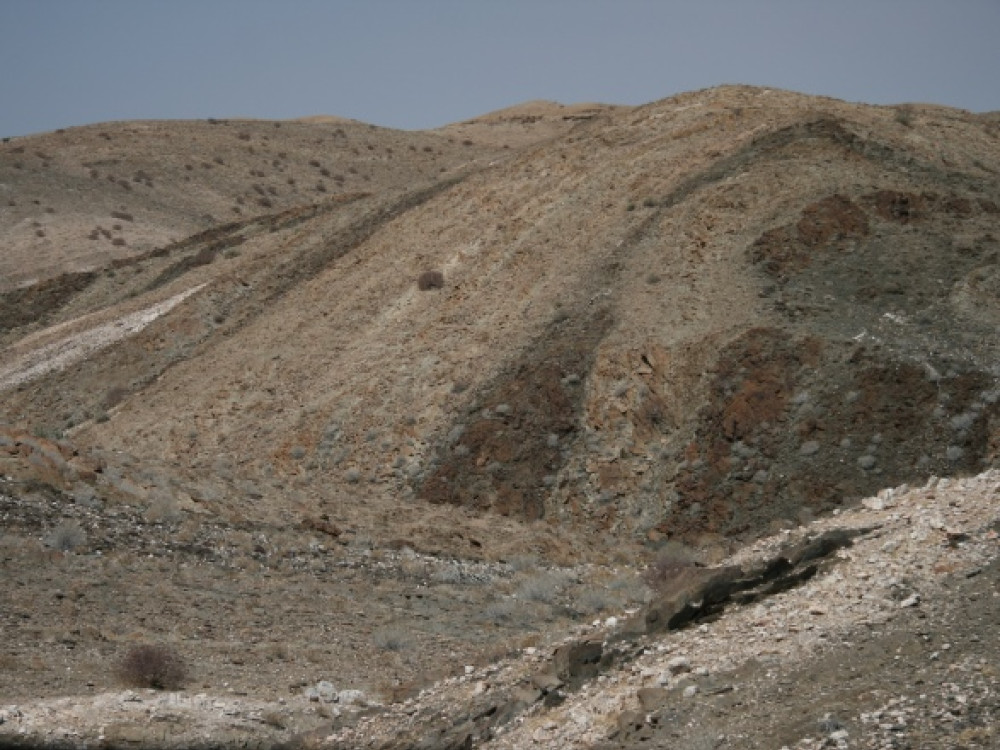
424	63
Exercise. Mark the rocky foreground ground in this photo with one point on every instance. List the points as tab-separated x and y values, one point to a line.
872	628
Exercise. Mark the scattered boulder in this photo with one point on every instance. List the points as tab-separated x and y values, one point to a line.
653	699
699	592
578	660
679	664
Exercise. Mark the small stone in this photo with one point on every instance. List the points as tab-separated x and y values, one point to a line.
690	691
679	664
830	724
629	721
469	669
956	537
351	697
579	659
525	695
911	601
326	691
809	448
546	682
653	699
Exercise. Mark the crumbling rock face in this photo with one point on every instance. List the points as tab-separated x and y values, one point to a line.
878	369
824	226
697	593
796	427
881	373
517	432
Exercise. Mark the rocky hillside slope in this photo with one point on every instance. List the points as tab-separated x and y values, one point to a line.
279	393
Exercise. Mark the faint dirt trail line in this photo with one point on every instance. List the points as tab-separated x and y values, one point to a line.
73	348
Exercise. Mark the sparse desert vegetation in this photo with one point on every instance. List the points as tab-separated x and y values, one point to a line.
344	413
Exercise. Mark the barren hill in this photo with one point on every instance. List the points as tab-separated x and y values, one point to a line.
684	325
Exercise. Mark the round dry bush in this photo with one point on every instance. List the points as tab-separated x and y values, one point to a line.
544	588
391	638
66	537
151	666
430	280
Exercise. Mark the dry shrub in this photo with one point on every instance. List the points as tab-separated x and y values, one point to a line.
392	638
66	537
500	611
544	588
629	586
904	115
152	666
522	563
274	719
430	280
594	599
